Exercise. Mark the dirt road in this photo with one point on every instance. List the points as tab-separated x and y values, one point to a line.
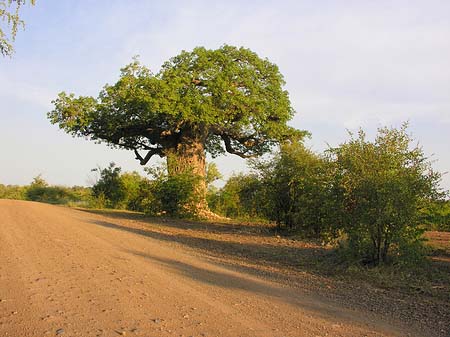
71	273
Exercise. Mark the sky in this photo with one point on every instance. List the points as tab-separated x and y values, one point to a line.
347	64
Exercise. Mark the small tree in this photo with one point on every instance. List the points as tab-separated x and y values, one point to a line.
212	174
381	186
110	186
39	190
298	190
133	184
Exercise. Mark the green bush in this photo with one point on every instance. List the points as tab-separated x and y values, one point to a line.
12	192
435	215
40	191
110	188
49	194
135	188
298	192
380	187
173	195
241	197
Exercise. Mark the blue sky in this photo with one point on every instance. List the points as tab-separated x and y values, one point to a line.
347	64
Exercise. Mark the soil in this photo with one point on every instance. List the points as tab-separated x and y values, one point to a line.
66	272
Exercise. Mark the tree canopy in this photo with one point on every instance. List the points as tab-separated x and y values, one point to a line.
215	101
229	98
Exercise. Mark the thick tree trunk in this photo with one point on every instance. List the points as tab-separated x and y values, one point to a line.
188	156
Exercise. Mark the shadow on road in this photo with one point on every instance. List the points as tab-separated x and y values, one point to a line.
213	276
228	227
256	253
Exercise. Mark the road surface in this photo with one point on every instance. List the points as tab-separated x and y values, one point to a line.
65	272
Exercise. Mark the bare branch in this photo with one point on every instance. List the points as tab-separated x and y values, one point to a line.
231	150
149	154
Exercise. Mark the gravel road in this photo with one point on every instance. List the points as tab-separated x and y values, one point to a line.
65	272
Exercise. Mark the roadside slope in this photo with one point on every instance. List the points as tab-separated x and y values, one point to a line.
69	272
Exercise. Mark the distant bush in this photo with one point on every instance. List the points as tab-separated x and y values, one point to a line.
136	190
161	194
436	215
238	198
40	191
12	192
49	194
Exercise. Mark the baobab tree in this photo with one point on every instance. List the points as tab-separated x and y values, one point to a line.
204	101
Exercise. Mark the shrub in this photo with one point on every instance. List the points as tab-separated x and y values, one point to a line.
240	197
435	215
381	186
40	191
133	185
173	195
110	187
12	192
298	191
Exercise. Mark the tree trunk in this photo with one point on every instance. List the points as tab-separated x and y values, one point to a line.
188	156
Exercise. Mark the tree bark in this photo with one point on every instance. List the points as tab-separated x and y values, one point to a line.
188	156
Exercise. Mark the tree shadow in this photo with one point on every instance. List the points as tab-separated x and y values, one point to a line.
305	258
309	265
231	280
216	227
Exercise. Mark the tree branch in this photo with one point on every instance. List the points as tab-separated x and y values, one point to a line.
149	154
231	150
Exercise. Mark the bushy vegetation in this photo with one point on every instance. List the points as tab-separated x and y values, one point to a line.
174	195
39	190
299	191
381	187
372	197
109	190
12	192
160	194
435	215
241	197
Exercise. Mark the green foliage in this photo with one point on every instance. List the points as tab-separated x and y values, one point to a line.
299	192
435	215
172	195
9	15
373	197
240	197
47	194
215	101
12	192
162	194
110	188
212	173
40	191
134	186
381	186
229	95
